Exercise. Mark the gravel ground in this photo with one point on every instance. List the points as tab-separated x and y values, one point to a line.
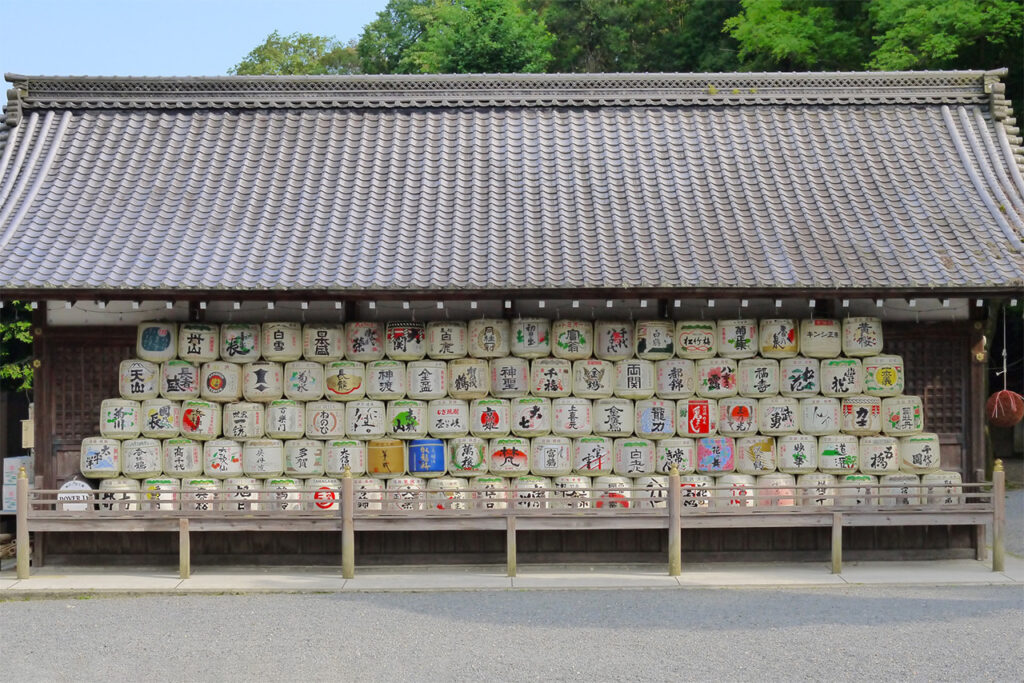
853	633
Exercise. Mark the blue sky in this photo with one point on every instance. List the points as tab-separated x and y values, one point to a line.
159	37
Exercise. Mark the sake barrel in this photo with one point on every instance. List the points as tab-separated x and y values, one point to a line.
283	493
304	380
572	339
797	453
240	342
262	381
682	453
778	338
345	380
450	417
755	455
179	380
778	416
883	376
613	340
488	492
531	337
531	416
821	338
407	419
570	492
447	340
635	379
406	493
902	415
239	494
862	337
183	458
282	341
222	459
468	378
325	420
734	490
655	339
856	490
758	377
816	489
488	338
593	455
573	417
385	380
551	456
490	418
737	338
655	418
716	454
405	340
323	343
426	380
120	419
899	489
448	493
695	490
199	493
819	416
551	377
651	491
100	457
263	458
861	415
697	417
634	457
467	456
776	490
75	490
156	341
324	493
696	339
364	341
243	421
220	381
385	458
941	488
200	420
613	417
879	455
612	492
675	378
838	454
342	453
593	378
304	458
842	377
119	494
508	456
141	458
427	458
160	418
369	493
160	493
198	343
510	377
365	419
799	377
717	378
138	379
920	453
737	416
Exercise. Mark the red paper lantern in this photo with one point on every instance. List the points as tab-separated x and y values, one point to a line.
1004	408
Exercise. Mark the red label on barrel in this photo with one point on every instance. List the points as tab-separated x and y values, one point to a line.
325	497
698	418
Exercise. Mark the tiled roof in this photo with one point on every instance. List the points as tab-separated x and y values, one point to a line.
735	181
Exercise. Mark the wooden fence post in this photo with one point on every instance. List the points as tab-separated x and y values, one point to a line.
184	549
837	543
675	536
510	544
21	524
348	532
998	517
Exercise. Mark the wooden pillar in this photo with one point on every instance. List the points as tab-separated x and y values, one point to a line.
510	544
675	536
21	525
998	517
348	532
837	543
184	549
975	457
44	455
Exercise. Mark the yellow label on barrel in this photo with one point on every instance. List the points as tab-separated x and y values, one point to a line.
386	456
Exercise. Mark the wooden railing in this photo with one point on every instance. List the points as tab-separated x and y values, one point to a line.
673	508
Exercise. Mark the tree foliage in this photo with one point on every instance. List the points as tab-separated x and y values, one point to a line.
299	53
16	346
384	41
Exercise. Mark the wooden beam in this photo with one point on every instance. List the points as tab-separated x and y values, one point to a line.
998	517
837	543
21	525
184	549
675	536
510	545
348	534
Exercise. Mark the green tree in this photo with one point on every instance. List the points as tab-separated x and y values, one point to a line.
384	41
16	346
299	53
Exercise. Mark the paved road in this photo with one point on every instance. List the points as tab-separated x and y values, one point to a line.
850	633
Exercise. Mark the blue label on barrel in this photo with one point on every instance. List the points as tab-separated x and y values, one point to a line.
426	455
156	339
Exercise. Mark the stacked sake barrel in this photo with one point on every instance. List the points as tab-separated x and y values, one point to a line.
548	409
